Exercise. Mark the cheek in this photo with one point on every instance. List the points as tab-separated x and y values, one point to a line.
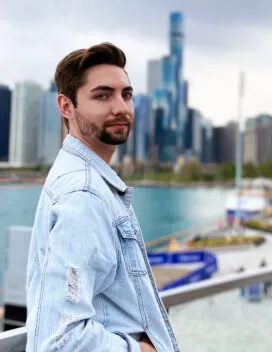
95	112
100	109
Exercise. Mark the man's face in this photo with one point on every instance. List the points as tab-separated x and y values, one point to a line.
104	111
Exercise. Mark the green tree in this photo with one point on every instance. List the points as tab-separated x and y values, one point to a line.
266	169
250	170
192	171
226	172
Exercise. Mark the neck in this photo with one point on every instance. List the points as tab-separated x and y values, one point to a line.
103	150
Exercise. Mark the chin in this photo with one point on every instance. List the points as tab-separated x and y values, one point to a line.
117	142
114	139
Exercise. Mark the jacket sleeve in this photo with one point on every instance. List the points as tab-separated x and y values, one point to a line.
80	261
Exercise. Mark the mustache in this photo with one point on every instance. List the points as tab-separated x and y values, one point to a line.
121	120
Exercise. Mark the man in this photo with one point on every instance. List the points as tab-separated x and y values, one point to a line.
89	284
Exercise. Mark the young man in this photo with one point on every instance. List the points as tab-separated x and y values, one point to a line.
89	284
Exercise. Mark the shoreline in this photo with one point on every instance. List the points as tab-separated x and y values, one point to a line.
131	183
174	184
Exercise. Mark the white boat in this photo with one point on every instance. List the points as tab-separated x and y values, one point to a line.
253	200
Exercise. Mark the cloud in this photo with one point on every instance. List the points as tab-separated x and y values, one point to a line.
221	38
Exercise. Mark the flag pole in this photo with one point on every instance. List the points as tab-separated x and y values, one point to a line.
239	148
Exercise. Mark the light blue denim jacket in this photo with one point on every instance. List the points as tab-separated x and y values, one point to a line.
89	283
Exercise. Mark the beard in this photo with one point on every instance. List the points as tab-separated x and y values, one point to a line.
90	130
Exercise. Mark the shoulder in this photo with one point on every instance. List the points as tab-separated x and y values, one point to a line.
72	177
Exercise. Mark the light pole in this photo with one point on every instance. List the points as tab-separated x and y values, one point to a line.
239	147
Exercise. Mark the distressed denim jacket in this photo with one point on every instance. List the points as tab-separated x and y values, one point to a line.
89	283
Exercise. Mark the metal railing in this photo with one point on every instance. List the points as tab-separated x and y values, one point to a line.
207	228
15	340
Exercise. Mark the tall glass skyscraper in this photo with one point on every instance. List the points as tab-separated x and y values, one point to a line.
138	143
142	105
5	107
170	102
176	39
164	134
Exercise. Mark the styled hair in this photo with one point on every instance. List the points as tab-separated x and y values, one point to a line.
70	72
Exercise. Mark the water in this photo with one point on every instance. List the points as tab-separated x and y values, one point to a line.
166	210
160	210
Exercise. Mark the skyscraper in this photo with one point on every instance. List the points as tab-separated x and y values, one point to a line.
154	76
176	50
173	110
50	127
25	121
251	141
5	107
224	143
138	143
164	139
193	134
264	138
142	128
207	141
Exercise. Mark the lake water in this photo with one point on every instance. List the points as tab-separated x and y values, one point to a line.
160	210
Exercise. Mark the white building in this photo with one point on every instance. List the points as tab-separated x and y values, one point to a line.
25	121
50	128
154	76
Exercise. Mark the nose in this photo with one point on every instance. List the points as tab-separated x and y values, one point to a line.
120	106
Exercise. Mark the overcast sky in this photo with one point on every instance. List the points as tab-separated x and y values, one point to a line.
221	38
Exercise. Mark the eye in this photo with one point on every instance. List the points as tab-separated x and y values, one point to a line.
127	95
102	96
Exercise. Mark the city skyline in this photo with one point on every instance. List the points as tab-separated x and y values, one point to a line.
221	39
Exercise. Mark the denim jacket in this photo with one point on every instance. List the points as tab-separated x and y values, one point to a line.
89	283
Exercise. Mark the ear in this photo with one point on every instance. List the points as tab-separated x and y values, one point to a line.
66	107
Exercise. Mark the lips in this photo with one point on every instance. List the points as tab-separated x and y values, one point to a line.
118	124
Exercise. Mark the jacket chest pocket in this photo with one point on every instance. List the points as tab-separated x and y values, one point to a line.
132	253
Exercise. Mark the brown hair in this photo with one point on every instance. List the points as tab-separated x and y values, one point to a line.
70	72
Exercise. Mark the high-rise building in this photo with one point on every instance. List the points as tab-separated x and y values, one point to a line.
137	146
170	100
224	143
25	122
251	141
142	128
207	141
193	134
5	107
50	127
258	139
164	148
154	76
264	138
177	51
186	92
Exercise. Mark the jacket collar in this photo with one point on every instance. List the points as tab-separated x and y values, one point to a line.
75	146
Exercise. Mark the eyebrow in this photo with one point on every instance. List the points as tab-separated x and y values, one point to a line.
111	89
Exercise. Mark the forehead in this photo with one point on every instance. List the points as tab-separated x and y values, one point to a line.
106	75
